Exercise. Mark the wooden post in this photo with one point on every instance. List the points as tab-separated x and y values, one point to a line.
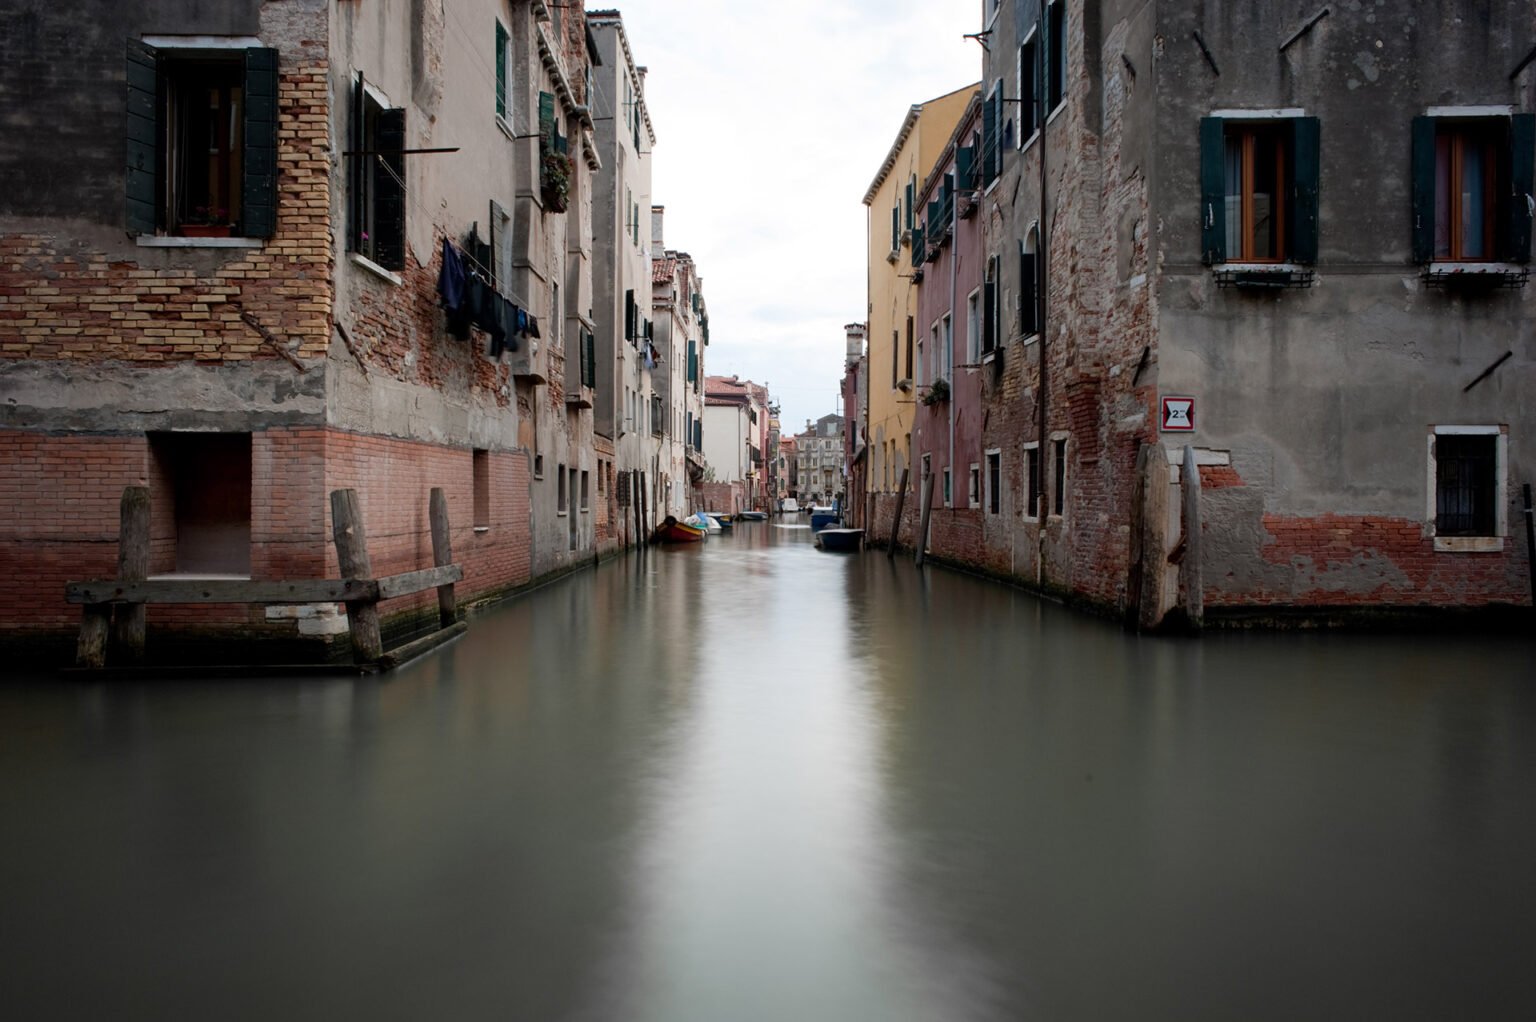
1190	569
442	555
352	552
1530	541
132	566
91	649
901	503
922	528
1134	567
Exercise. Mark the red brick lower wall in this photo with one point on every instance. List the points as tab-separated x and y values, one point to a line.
62	495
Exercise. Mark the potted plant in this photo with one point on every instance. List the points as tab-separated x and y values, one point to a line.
938	391
207	222
555	180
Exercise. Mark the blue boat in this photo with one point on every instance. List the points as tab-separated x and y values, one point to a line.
838	540
823	517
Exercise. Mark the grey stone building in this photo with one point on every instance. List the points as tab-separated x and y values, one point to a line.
1259	323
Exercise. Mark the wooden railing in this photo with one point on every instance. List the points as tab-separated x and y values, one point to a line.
113	619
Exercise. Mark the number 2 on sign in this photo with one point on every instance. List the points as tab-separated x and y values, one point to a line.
1178	415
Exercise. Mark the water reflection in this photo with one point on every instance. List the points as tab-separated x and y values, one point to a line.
750	780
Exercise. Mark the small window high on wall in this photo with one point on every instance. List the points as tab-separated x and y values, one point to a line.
201	499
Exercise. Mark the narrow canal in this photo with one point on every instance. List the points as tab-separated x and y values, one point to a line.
752	781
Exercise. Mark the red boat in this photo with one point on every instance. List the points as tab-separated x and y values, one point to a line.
673	531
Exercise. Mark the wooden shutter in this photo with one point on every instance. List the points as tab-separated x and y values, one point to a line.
547	115
629	315
1305	162
389	191
965	167
1423	189
1516	221
917	246
988	315
693	361
1213	191
988	140
142	181
258	195
501	70
1029	311
911	199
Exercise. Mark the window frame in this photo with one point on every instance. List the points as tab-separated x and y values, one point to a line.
1032	481
994	481
1029	103
973	493
1057	507
1499	497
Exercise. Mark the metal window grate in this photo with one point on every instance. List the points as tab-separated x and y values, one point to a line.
1464	485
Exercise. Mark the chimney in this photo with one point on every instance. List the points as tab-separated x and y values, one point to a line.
658	214
855	348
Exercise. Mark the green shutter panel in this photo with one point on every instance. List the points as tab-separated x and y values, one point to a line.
1306	160
501	70
546	114
935	225
1423	189
629	315
693	361
258	193
1029	312
965	167
988	140
895	228
1518	211
911	199
142	180
1213	191
989	316
389	191
917	246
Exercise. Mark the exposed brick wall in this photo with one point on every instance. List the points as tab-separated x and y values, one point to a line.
77	297
65	492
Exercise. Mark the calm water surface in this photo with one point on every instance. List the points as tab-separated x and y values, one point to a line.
754	781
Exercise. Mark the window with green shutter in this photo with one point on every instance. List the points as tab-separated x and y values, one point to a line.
502	40
1259	190
1472	188
201	141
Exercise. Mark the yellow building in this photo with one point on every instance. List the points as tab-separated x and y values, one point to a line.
893	298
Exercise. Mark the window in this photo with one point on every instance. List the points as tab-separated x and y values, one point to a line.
1472	181
947	355
1056	39
1258	183
538	466
995	482
974	494
895	229
502	41
1059	460
1468	487
584	504
602	471
480	467
990	331
973	327
202	141
376	199
1029	78
1032	481
910	332
895	358
946	486
556	314
1029	283
922	358
562	493
200	491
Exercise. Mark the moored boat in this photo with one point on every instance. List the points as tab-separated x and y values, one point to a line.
752	516
840	539
673	531
822	517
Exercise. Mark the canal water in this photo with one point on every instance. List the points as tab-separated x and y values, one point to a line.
752	781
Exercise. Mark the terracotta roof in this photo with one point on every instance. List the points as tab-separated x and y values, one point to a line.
662	270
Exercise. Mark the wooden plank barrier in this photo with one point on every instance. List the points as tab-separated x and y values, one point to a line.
114	608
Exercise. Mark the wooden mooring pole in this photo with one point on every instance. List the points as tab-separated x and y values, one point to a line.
132	566
352	553
901	503
922	528
1530	542
442	555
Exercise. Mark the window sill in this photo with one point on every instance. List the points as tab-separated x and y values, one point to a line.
374	268
1492	275
1263	275
1469	544
506	129
1033	136
176	241
482	528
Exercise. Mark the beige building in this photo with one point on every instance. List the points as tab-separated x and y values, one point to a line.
892	296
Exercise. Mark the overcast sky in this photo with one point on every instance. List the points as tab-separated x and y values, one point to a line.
772	119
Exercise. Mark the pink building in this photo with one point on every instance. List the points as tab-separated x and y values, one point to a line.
955	360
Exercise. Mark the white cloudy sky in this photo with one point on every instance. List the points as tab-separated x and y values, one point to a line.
772	118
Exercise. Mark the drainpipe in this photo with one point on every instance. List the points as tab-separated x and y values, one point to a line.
1042	270
949	370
